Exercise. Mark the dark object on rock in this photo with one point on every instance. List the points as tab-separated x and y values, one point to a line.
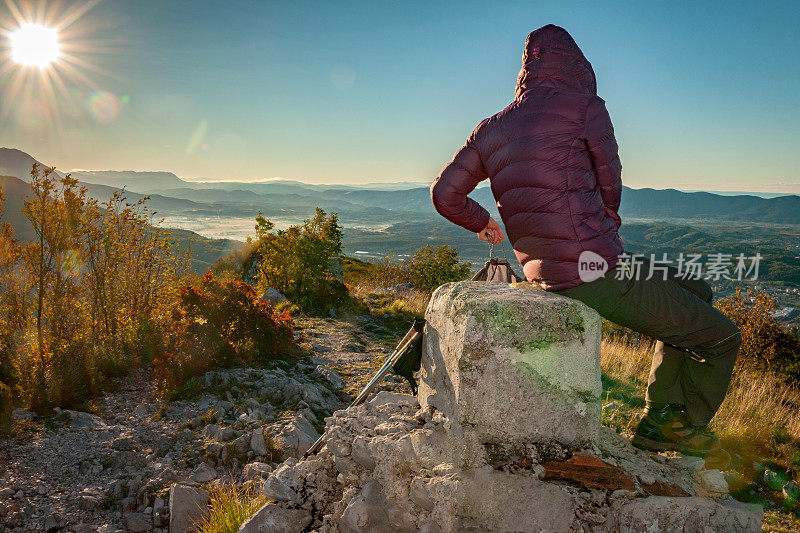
591	472
497	270
659	488
410	362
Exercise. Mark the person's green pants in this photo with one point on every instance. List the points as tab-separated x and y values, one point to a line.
697	344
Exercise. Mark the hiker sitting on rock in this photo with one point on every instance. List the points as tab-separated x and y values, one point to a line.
552	160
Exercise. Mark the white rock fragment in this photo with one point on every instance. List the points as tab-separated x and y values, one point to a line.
256	470
713	481
273	296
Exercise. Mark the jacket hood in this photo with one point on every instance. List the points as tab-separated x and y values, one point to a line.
552	60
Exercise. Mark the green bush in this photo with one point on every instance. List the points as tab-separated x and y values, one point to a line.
220	324
432	266
295	261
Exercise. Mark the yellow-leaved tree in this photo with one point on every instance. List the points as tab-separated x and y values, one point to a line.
83	300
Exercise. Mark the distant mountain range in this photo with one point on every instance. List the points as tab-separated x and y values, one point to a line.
15	163
382	205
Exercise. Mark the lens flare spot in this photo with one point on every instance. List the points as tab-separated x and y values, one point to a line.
104	106
197	137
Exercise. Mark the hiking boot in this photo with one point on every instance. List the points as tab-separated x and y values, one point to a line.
669	429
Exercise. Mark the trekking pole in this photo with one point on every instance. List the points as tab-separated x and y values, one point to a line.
409	338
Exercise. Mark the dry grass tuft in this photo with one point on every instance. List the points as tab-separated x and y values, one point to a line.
625	360
230	507
406	303
760	417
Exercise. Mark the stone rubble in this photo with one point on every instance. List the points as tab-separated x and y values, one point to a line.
388	465
112	471
140	465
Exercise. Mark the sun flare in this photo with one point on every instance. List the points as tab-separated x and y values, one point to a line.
34	45
50	67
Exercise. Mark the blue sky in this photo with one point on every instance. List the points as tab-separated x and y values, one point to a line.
701	97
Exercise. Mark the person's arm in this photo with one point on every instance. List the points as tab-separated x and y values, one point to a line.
459	178
603	150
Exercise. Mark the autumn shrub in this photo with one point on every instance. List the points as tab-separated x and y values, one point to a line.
242	263
766	344
295	261
8	386
133	272
375	282
83	299
9	319
220	323
432	266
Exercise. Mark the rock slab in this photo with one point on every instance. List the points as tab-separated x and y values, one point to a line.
661	513
272	518
186	507
512	364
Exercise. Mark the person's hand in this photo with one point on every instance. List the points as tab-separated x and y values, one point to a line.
491	233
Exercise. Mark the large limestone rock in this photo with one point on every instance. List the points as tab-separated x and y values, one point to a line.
512	364
685	514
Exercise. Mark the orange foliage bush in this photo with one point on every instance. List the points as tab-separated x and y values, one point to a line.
766	344
222	323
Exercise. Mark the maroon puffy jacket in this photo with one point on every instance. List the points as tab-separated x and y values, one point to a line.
552	160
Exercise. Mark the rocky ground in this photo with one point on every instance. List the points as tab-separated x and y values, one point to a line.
111	471
391	466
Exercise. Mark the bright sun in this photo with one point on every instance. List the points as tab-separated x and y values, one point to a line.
34	45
